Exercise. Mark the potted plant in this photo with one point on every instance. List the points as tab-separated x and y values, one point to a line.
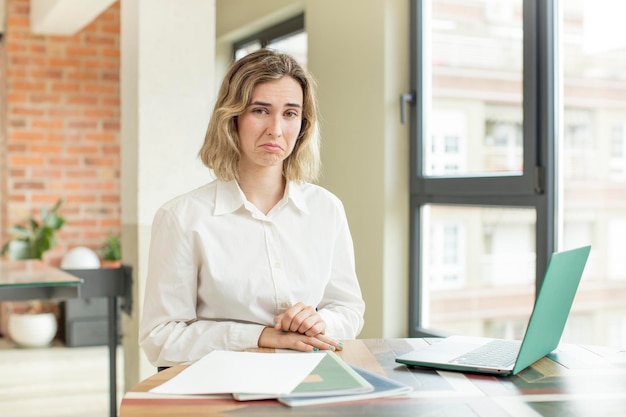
112	252
34	239
35	324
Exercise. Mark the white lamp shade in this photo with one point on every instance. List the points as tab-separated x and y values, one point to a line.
80	258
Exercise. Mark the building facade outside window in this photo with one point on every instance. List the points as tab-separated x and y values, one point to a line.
489	200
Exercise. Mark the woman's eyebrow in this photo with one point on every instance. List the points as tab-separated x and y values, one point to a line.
262	103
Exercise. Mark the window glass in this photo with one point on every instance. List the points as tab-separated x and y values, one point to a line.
478	270
593	49
474	125
294	44
288	37
247	48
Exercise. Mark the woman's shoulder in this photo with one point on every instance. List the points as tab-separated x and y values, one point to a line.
196	198
316	194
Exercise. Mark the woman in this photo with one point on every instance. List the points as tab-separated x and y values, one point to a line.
260	257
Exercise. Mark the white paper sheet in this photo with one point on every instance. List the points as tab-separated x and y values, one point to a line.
226	372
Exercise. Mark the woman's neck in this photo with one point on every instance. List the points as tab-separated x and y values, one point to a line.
263	189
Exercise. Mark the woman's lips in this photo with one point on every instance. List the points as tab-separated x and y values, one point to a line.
272	147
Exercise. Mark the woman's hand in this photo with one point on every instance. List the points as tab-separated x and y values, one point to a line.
280	339
301	318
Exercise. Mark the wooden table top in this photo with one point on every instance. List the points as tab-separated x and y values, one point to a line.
572	381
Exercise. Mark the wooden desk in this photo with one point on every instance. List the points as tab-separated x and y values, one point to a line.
574	381
35	280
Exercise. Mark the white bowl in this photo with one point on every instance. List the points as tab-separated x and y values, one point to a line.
32	330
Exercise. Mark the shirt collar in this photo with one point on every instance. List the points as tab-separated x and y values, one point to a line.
229	197
295	194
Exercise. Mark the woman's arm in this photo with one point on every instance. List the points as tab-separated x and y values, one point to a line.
170	331
342	306
339	313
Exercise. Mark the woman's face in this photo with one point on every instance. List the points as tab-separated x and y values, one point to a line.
269	126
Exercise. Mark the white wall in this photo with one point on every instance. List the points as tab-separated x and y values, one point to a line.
167	88
358	51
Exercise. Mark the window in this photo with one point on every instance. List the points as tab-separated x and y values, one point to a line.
617	152
288	37
592	44
518	149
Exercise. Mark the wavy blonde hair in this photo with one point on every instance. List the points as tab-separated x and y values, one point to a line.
220	150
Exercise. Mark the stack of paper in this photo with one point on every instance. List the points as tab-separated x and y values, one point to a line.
295	379
226	372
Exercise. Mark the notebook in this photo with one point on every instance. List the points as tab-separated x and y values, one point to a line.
383	387
543	333
331	377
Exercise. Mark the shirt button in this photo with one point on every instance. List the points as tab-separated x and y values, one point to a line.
277	265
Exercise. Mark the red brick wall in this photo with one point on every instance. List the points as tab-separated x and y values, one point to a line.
60	132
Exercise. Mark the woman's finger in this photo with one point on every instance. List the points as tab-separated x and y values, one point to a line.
293	317
332	343
272	338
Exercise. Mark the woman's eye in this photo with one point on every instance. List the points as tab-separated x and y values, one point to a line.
291	114
259	110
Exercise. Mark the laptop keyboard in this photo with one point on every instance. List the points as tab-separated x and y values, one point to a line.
497	353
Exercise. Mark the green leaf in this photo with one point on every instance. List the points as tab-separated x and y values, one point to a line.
112	251
40	235
20	231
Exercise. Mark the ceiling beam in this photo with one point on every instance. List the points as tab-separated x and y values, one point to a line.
64	17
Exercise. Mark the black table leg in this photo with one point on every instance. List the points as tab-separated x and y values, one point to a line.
112	355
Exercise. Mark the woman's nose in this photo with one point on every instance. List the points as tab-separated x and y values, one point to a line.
274	127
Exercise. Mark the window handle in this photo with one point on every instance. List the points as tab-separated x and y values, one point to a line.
406	98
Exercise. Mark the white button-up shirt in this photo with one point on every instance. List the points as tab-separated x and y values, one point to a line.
219	270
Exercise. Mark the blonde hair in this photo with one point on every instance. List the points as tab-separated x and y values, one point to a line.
220	150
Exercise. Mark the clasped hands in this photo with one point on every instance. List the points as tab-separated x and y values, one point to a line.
299	328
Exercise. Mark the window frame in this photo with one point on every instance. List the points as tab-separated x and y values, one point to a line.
266	36
535	188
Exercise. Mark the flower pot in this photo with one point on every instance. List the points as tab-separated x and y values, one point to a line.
19	249
111	264
32	329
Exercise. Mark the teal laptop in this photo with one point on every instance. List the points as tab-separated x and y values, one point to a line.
508	357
